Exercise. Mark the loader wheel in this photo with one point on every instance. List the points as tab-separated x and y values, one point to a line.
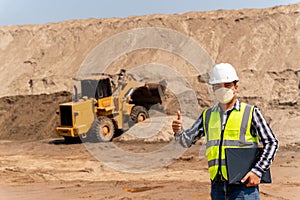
104	129
139	114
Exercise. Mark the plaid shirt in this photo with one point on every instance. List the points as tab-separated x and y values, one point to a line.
259	127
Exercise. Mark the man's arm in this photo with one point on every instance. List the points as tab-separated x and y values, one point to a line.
191	135
267	138
261	128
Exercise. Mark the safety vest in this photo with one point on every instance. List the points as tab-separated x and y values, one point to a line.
236	135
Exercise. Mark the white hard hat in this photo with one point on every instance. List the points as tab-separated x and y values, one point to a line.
223	73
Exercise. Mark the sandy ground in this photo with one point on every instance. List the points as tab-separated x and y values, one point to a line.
52	169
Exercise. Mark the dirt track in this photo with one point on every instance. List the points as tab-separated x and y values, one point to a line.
51	169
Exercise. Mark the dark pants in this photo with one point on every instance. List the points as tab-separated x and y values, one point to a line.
222	191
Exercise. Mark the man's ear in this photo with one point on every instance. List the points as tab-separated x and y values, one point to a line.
236	87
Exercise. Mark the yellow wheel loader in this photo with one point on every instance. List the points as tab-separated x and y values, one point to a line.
108	103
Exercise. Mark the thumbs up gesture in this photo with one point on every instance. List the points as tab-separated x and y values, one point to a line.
176	124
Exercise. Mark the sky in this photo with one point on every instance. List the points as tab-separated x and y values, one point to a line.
20	12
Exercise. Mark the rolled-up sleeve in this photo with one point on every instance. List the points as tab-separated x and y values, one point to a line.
267	138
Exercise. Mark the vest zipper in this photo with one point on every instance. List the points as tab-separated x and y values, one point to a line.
220	155
221	144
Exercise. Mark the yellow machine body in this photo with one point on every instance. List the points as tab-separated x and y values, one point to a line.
76	118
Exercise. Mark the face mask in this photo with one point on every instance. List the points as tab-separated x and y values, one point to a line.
224	95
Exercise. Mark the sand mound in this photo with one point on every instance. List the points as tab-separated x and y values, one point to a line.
30	116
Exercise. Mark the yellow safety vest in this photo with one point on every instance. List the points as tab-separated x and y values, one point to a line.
236	135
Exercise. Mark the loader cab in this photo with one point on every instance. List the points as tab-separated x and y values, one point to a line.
93	88
103	89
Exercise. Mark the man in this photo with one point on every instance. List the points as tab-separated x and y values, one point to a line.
229	123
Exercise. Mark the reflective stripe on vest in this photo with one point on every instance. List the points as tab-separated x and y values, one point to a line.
236	134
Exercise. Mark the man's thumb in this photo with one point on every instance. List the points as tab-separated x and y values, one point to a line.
245	178
178	115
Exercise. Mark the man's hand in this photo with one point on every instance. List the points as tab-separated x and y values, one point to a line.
176	125
252	178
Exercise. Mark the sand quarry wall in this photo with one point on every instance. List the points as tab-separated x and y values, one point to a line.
38	62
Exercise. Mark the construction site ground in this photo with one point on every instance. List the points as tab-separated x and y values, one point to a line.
53	169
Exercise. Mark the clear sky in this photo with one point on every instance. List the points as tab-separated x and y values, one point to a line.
18	12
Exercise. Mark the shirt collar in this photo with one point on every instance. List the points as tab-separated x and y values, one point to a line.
236	106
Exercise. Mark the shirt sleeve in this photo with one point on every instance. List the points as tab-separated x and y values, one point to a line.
188	137
270	144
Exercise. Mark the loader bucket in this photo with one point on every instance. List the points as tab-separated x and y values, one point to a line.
149	94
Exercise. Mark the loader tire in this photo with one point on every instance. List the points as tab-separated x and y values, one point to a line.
139	114
103	129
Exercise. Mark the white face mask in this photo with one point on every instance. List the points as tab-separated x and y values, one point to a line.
224	95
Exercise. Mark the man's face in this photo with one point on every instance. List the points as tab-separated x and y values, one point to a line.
225	92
